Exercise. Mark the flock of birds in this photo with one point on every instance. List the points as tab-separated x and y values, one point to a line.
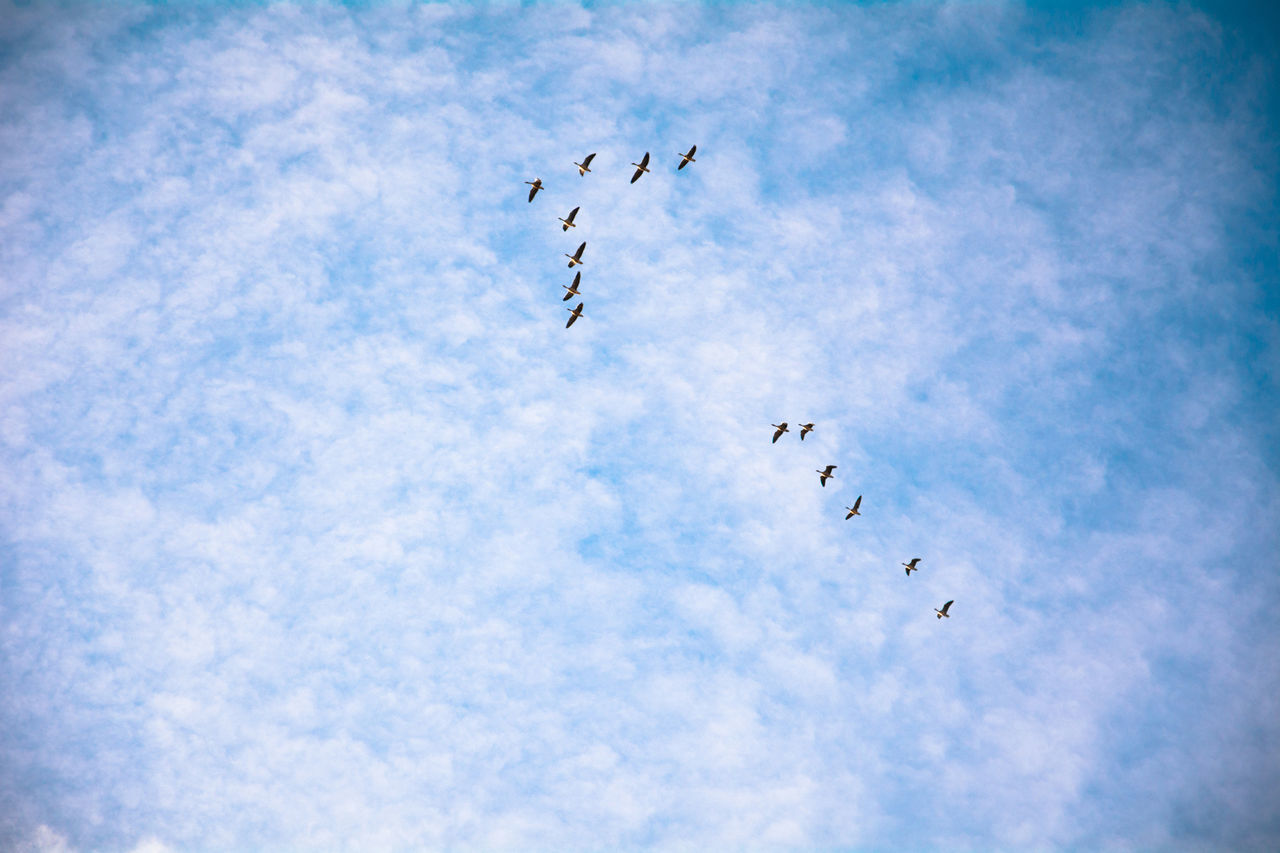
567	222
825	474
575	259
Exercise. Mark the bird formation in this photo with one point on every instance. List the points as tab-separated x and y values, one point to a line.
567	222
780	429
825	474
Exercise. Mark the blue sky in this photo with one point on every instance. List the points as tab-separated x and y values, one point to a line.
318	530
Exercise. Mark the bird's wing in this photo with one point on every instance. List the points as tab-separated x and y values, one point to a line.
644	161
849	516
572	317
637	175
577	278
587	162
533	192
568	294
572	214
776	435
578	254
858	502
947	605
692	151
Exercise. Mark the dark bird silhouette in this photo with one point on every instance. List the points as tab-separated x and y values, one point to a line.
825	475
536	183
568	223
945	608
911	567
573	289
585	165
686	159
574	313
641	167
782	427
576	257
805	429
853	510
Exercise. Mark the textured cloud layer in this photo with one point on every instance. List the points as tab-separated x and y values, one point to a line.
321	531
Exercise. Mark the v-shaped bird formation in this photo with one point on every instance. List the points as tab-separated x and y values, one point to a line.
567	222
575	259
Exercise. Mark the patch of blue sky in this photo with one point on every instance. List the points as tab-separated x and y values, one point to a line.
322	531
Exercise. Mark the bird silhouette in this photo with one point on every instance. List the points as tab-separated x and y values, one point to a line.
641	167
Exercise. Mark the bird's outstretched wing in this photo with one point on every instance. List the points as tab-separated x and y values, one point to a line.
578	254
644	161
857	503
572	214
587	162
776	435
946	606
533	191
637	175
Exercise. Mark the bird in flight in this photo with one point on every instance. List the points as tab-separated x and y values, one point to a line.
826	474
585	165
536	183
945	607
853	510
686	159
574	313
805	429
573	289
782	427
568	223
576	257
641	167
911	567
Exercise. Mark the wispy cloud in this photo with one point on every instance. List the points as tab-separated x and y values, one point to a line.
321	531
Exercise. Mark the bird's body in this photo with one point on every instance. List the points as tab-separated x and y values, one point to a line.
911	567
585	165
686	159
576	257
945	608
573	288
782	427
826	474
568	223
574	313
641	167
536	183
805	429
853	510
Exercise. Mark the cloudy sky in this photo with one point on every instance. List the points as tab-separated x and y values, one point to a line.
318	530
